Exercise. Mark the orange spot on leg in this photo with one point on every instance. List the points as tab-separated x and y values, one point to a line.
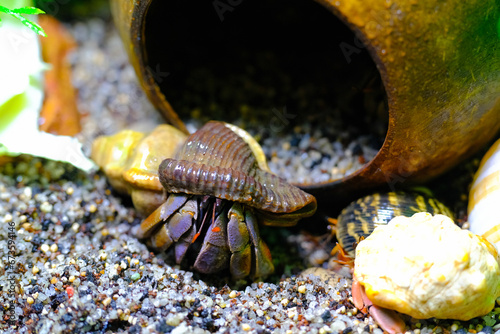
195	237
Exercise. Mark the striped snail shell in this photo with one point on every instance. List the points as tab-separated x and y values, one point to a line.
359	219
484	197
224	161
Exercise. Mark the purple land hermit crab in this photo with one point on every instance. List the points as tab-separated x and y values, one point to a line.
218	190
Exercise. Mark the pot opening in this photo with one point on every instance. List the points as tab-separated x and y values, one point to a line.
291	73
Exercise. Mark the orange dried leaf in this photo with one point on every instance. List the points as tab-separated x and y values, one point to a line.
59	114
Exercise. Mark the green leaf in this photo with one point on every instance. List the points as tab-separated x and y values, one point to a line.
30	24
28	10
5	9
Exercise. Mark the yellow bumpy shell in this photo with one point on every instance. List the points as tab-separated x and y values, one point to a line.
130	160
427	267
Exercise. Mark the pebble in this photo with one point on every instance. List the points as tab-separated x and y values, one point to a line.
45	248
92	208
70	291
46	207
27	193
246	327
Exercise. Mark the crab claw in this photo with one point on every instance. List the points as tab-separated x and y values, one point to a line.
388	320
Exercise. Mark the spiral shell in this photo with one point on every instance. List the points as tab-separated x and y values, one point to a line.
361	217
218	161
484	197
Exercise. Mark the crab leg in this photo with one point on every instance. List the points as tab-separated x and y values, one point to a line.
239	243
389	320
243	233
182	245
161	240
176	217
263	261
180	227
150	224
214	254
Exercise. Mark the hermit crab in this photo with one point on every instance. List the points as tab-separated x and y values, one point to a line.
359	220
218	189
427	267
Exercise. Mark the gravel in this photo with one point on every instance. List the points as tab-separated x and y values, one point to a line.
78	267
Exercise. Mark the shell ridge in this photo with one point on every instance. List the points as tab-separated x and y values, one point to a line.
235	152
295	197
214	144
217	144
222	164
228	151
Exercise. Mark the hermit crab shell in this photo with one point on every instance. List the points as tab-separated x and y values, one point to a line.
484	197
130	160
224	161
426	266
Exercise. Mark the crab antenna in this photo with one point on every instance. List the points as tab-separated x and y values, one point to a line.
217	205
201	226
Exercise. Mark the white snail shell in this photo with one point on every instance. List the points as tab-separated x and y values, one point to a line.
484	197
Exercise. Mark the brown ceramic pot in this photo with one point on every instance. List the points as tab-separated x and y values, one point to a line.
439	63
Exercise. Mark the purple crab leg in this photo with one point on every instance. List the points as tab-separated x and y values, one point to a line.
180	228
239	243
182	220
150	224
183	244
263	260
214	254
